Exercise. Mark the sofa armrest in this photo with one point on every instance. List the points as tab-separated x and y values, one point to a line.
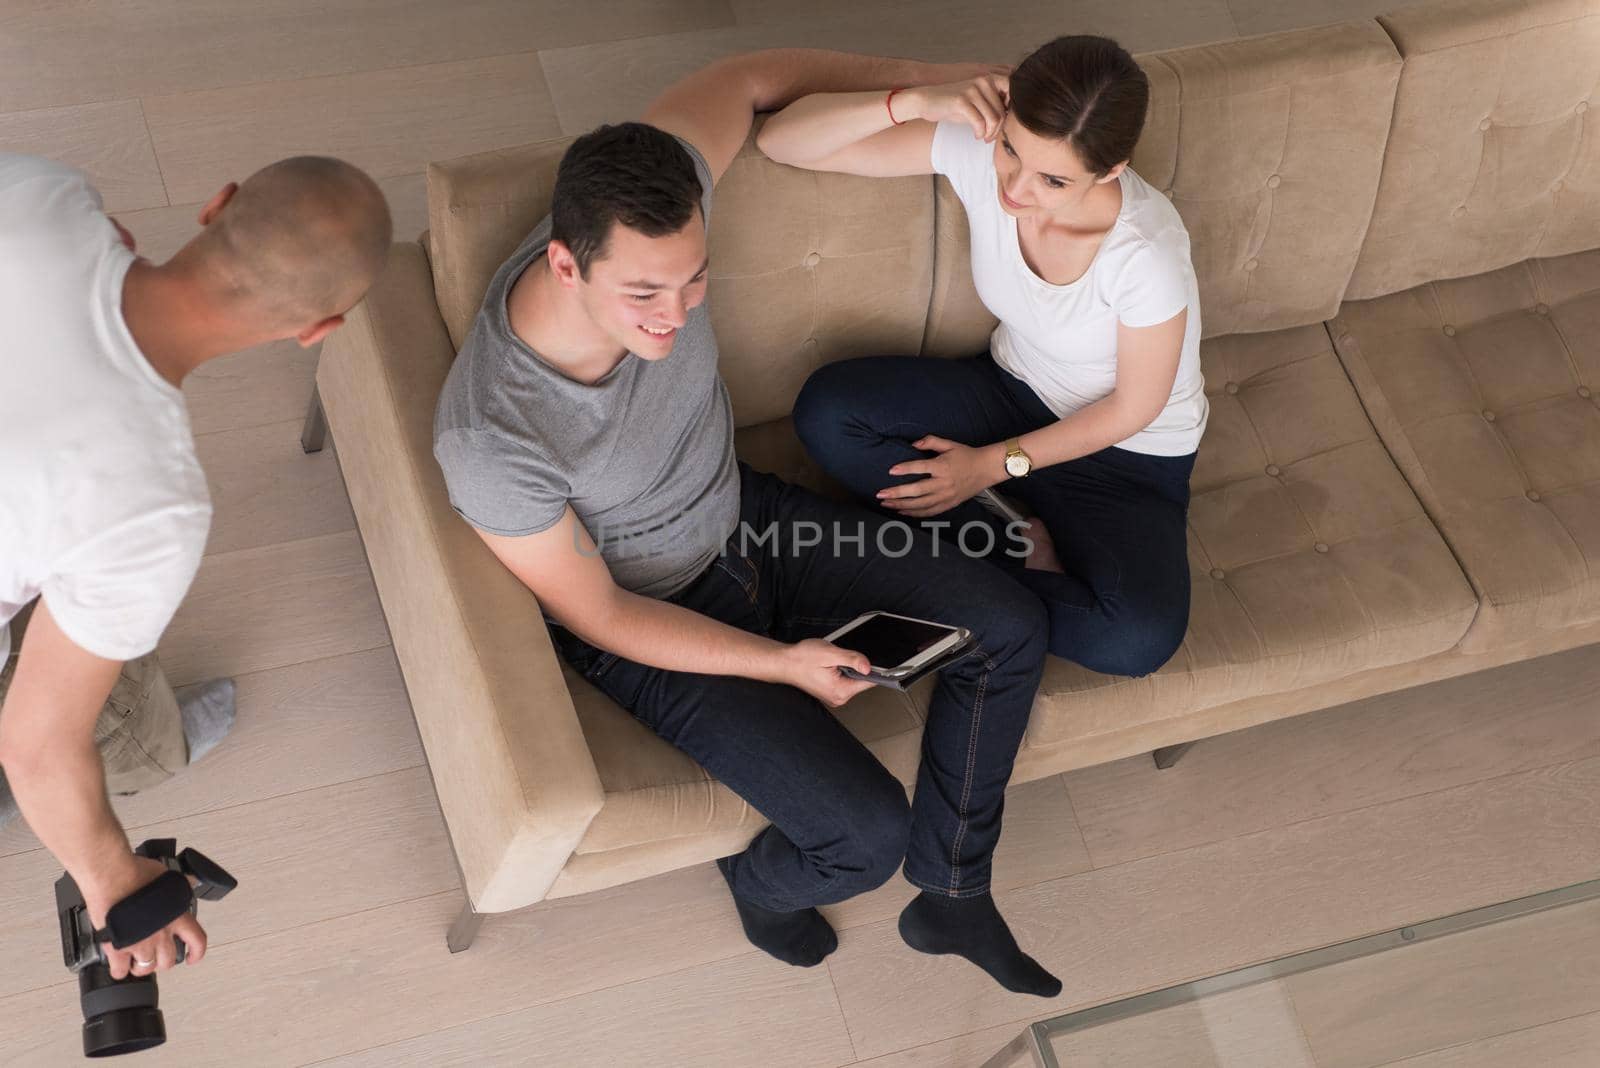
514	775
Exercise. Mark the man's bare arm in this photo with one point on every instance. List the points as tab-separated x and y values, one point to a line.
48	751
566	573
714	107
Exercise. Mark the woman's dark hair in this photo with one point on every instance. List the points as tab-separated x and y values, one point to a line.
630	173
1086	91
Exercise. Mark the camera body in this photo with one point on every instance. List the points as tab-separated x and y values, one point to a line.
121	1015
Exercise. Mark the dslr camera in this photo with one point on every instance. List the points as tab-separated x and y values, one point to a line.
120	1015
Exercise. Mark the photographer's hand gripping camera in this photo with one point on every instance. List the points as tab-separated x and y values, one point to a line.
120	1015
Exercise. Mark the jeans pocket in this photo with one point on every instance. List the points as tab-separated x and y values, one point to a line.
743	571
600	666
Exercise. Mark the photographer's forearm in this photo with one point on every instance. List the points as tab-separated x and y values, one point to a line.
667	636
59	784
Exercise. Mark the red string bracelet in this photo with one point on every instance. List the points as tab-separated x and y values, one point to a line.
887	101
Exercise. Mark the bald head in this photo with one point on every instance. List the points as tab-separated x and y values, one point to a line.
300	241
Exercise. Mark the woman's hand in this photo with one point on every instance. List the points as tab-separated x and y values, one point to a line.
980	102
957	474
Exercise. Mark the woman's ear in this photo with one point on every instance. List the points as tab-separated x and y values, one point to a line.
1113	174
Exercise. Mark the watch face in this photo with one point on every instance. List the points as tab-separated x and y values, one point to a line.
1017	466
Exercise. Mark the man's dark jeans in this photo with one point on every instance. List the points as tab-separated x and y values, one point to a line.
1118	518
840	822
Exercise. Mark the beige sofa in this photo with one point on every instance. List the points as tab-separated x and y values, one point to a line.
1400	481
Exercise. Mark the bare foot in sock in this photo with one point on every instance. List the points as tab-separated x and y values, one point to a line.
207	709
1042	557
973	928
800	938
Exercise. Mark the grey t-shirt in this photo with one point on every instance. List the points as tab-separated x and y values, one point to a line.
644	456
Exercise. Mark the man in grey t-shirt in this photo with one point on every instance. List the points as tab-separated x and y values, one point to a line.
643	454
586	435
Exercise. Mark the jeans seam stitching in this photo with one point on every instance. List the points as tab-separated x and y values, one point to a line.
945	891
966	785
149	758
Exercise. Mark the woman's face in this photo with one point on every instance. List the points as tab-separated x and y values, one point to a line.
1040	175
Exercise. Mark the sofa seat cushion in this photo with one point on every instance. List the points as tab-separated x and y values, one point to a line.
1484	389
1310	557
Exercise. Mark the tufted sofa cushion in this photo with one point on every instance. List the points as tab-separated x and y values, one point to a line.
1484	390
1311	558
1495	153
808	268
1270	149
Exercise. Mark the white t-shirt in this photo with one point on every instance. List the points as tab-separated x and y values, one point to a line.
103	505
1062	340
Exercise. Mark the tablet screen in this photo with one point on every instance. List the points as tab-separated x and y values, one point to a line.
889	641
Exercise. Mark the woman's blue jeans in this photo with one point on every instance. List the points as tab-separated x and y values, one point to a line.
1117	518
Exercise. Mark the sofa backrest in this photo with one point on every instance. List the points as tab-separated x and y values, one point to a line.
1494	157
1270	148
806	268
480	207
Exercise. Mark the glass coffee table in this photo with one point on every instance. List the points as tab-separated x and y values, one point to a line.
1505	986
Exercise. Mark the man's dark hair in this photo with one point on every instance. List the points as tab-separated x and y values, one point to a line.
1087	91
630	173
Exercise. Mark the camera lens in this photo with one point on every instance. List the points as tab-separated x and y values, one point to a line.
118	1017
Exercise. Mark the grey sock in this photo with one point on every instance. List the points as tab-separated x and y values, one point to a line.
207	709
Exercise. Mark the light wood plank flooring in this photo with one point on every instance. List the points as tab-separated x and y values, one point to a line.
1120	878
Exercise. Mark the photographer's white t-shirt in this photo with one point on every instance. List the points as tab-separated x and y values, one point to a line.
103	505
1062	340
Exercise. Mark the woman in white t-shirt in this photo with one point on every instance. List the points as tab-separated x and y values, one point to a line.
1090	403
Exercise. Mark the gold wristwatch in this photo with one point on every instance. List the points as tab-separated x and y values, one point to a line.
1018	463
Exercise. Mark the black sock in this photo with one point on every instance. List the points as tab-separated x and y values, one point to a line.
972	927
801	938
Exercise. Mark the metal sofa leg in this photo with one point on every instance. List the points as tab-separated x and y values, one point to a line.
315	432
465	929
1168	755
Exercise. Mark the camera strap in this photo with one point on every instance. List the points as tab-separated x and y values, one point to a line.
147	910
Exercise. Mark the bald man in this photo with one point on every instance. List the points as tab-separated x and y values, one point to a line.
103	506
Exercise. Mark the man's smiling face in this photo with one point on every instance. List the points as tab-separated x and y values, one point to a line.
641	289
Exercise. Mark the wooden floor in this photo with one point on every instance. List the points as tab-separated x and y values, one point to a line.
1119	878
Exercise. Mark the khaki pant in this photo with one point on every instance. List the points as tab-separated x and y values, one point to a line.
139	732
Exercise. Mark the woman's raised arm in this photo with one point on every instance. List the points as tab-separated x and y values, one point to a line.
882	134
